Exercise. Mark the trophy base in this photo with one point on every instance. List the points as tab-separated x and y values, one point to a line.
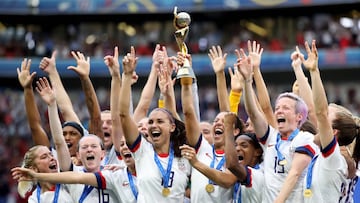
186	81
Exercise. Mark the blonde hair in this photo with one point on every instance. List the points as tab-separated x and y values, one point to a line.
24	187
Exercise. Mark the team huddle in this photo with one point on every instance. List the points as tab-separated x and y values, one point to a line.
303	150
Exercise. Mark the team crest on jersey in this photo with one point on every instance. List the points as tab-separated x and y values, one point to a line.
125	183
181	165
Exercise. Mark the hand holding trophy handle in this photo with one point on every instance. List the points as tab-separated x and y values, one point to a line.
181	23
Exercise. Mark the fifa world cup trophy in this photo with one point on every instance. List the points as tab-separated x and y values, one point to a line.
181	23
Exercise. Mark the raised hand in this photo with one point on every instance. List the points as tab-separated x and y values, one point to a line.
189	153
255	53
134	78
48	65
296	57
164	80
311	63
45	91
129	62
218	59
169	63
83	64
112	62
244	64
237	80
23	174
24	76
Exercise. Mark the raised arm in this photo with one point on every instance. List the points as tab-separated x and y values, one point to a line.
48	65
304	88
112	62
69	177
232	162
127	122
320	99
218	61
192	124
148	91
48	96
26	79
263	97
256	116
83	70
166	84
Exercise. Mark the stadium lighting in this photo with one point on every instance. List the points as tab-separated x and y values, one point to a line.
33	3
346	22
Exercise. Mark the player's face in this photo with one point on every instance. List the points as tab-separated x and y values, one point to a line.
206	131
90	153
143	128
126	153
247	153
45	161
107	128
218	129
160	127
286	117
72	137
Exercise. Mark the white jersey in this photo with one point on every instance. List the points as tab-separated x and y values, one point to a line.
274	173
252	189
48	196
118	182
149	176
204	153
87	194
328	175
112	157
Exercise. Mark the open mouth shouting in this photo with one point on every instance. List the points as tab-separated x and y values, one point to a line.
90	157
218	131
155	133
281	120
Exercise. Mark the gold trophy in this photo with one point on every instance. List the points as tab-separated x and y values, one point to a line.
181	23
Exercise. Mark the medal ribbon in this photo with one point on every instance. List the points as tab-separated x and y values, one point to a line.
86	192
165	175
220	164
106	158
309	172
132	185
279	142
56	195
237	189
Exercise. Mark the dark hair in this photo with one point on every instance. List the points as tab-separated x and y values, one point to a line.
178	136
75	125
239	124
308	127
348	130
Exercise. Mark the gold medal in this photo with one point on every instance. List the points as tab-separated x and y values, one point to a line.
165	192
209	188
307	193
283	162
